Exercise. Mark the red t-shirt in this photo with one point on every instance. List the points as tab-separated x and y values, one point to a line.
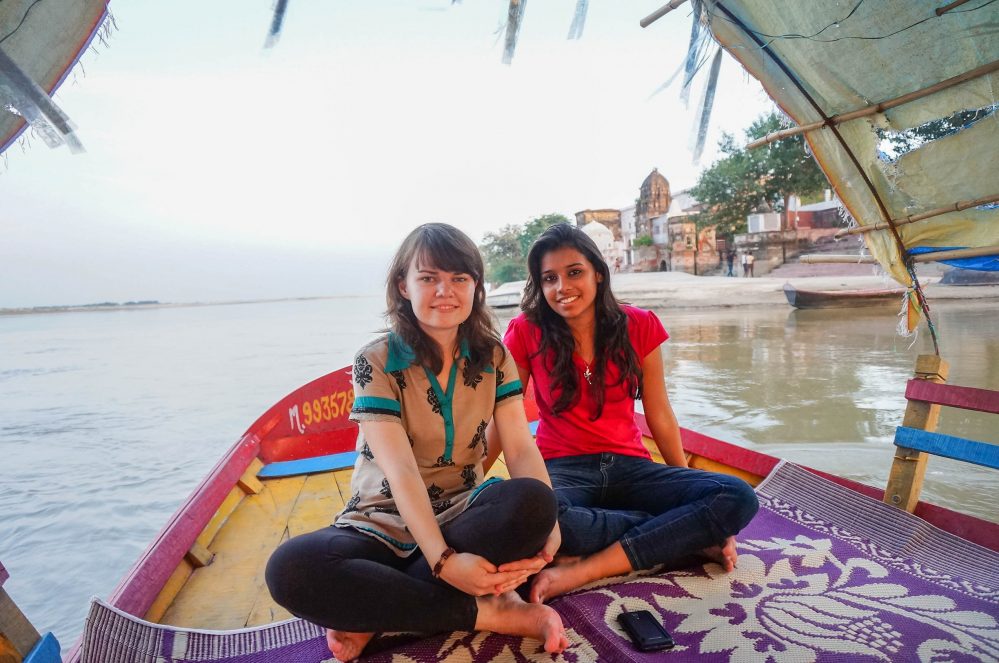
571	432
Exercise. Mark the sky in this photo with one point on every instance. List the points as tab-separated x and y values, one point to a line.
216	170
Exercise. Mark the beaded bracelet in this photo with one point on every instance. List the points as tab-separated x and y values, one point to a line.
439	566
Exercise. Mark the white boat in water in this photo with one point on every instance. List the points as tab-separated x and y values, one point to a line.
507	294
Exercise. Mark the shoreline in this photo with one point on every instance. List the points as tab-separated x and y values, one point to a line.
646	289
86	308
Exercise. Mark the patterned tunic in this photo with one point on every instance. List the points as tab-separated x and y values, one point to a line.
446	429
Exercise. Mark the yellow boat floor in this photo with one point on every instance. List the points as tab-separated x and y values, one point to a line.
230	593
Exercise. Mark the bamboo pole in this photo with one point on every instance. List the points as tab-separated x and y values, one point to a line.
912	218
817	258
940	11
878	108
659	13
905	481
957	253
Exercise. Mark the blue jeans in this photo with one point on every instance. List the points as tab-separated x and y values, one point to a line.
660	514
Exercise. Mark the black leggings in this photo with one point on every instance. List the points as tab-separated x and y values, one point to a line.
342	579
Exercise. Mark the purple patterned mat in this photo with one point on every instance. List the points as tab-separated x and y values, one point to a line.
824	575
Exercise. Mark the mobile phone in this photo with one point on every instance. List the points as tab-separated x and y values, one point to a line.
645	631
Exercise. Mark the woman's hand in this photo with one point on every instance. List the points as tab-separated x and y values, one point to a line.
531	565
477	576
552	545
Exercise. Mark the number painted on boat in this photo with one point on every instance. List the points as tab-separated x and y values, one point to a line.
318	410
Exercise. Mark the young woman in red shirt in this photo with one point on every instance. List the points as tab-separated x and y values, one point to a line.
590	358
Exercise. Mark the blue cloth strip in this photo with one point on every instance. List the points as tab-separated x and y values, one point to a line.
979	264
506	389
395	542
290	468
362	403
958	448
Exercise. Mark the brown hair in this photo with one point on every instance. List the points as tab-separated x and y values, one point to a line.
446	248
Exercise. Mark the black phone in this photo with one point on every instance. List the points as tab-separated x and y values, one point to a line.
645	631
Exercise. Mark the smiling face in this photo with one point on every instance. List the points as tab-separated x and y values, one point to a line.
441	300
569	283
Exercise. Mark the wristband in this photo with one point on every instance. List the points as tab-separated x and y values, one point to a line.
439	566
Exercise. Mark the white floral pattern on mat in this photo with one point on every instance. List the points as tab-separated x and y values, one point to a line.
796	615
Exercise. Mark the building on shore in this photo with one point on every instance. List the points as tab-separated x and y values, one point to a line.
657	233
774	237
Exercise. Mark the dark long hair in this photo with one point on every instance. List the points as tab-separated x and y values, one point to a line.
610	340
448	249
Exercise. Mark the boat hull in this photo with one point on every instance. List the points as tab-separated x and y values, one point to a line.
241	515
809	299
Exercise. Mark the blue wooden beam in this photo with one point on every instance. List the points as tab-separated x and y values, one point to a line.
958	448
290	468
45	651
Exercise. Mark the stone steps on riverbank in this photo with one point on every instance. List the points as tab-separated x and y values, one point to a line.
680	290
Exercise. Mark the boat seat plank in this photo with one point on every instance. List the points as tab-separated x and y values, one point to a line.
314	465
965	398
958	448
223	594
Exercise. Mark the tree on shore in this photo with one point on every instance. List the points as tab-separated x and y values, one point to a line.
505	251
732	187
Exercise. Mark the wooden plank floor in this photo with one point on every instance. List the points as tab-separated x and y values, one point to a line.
230	593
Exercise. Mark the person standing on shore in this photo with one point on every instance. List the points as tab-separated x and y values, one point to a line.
590	358
750	260
744	259
730	258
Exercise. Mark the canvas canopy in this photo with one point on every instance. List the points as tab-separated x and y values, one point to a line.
821	59
39	44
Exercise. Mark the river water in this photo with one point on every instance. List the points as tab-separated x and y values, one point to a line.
109	419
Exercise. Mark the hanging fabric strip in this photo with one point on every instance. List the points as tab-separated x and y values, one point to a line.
22	95
514	16
578	20
280	7
694	52
910	314
703	116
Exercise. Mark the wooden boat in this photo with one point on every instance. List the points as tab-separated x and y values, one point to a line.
842	298
290	472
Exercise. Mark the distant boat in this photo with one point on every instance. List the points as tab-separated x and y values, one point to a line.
841	298
506	295
958	276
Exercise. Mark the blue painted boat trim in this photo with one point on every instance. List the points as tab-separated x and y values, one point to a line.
290	468
958	448
45	650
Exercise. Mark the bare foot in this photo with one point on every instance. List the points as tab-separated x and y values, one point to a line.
564	575
347	646
510	615
725	555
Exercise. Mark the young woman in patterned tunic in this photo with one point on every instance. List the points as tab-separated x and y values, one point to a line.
425	544
590	358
